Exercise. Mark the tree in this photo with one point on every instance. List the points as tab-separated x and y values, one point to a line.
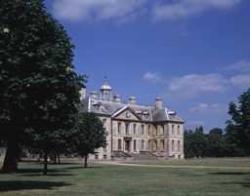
39	88
89	136
216	143
195	143
238	128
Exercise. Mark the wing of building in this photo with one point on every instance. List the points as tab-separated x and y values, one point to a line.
135	130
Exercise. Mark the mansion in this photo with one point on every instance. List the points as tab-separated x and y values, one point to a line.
135	130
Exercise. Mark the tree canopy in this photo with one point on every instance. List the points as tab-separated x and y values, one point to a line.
89	135
238	127
39	87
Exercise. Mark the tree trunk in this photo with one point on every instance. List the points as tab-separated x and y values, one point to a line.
58	159
85	161
45	164
11	158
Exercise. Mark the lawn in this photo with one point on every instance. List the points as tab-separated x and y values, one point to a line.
207	162
105	180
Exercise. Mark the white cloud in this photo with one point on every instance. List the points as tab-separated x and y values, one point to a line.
192	85
207	108
241	66
152	77
241	81
76	10
95	9
185	8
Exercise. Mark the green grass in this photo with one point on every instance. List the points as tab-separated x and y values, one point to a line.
213	162
104	180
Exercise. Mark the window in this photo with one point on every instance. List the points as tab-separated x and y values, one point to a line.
96	157
178	129
127	129
119	128
105	156
172	129
179	146
134	145
162	145
134	128
142	129
119	144
172	145
149	130
142	145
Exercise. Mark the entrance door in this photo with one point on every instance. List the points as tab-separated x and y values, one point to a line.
127	145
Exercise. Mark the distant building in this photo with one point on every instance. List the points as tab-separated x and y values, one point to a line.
135	130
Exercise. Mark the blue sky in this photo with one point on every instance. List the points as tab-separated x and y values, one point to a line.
193	53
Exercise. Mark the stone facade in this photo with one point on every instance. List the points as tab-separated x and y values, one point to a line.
135	129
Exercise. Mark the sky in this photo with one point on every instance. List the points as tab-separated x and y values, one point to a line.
195	54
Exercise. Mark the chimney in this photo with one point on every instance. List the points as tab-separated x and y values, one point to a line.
159	103
94	95
117	98
132	100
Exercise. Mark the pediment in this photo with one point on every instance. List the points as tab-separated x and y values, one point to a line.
126	113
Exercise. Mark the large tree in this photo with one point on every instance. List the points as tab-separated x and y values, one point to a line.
195	143
89	136
38	86
238	128
216	143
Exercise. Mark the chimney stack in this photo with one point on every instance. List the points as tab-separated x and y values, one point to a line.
132	100
117	98
94	95
159	103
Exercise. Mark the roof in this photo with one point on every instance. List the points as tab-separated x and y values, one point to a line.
146	113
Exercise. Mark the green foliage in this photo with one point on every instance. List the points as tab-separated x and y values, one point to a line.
195	143
216	143
238	128
235	141
39	87
89	135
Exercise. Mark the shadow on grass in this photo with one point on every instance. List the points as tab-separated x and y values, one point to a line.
245	183
231	173
49	174
29	185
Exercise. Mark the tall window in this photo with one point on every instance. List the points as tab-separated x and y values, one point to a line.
149	130
179	146
178	129
142	145
134	145
172	145
172	129
134	128
127	128
119	128
162	145
119	144
142	129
